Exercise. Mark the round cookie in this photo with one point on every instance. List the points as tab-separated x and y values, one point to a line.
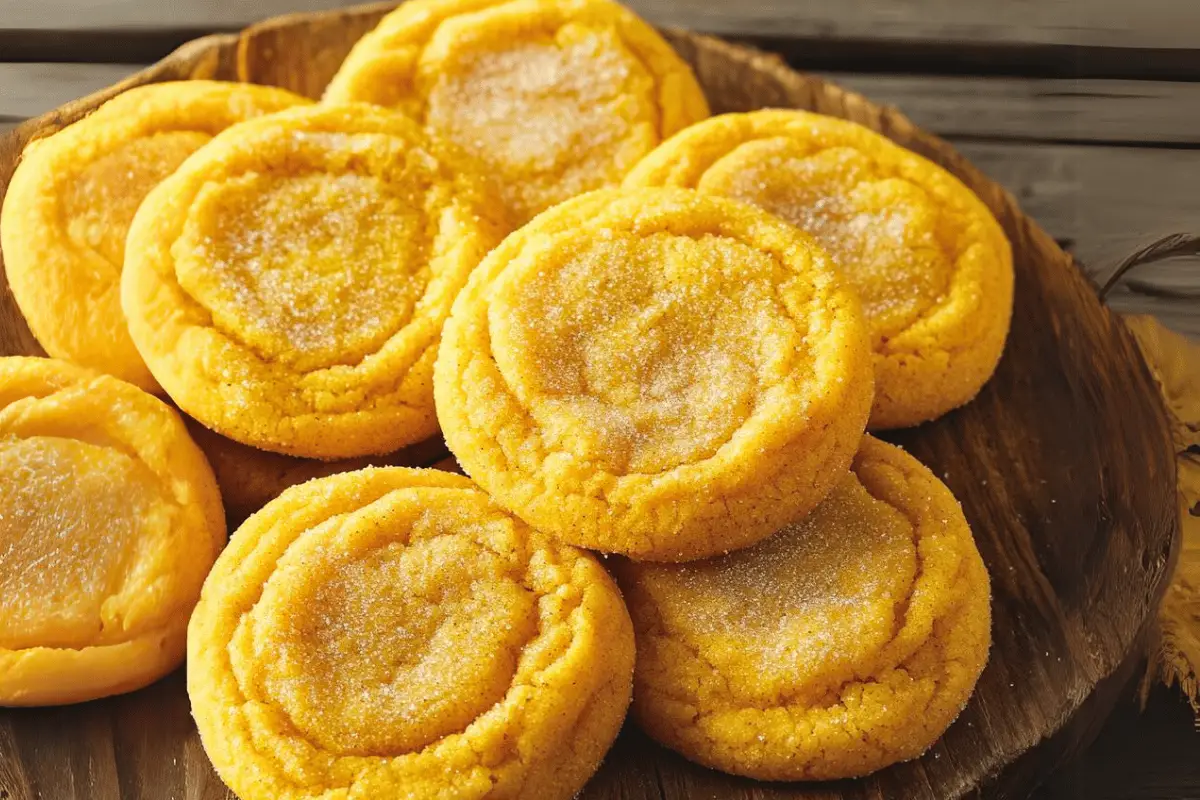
848	641
658	373
553	98
288	284
74	194
109	521
391	632
930	262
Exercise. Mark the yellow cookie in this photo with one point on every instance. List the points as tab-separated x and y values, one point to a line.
288	284
928	259
109	521
848	641
659	373
74	194
392	633
552	97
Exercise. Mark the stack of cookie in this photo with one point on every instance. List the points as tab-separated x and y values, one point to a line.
641	331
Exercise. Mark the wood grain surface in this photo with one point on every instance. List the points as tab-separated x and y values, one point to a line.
1038	110
1063	466
33	89
1109	23
1020	110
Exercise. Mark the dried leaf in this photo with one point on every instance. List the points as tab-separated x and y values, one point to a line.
1188	475
1174	361
1179	617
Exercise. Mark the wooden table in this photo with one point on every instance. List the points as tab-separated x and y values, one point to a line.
1087	110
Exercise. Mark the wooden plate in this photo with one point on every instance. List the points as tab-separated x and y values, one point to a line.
1063	465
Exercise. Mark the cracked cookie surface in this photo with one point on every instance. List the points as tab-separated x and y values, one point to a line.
393	633
288	285
848	641
930	262
109	520
552	98
658	373
73	196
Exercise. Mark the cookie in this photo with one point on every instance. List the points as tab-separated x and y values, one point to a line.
930	262
287	286
109	521
392	633
74	194
848	641
659	373
552	98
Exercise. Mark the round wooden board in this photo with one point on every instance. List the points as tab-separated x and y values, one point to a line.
1063	465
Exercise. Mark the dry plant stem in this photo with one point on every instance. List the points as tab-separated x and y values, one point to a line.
1177	245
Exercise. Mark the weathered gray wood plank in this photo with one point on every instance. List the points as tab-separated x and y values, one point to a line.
114	15
1178	315
1105	111
27	90
1104	23
1106	202
1162	112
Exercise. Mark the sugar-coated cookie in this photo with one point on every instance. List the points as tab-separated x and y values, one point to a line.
393	633
659	373
848	641
930	262
553	98
109	521
287	286
74	194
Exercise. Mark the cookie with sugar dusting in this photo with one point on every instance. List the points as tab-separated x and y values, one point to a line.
930	262
552	98
393	633
287	286
109	521
659	373
848	641
74	194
